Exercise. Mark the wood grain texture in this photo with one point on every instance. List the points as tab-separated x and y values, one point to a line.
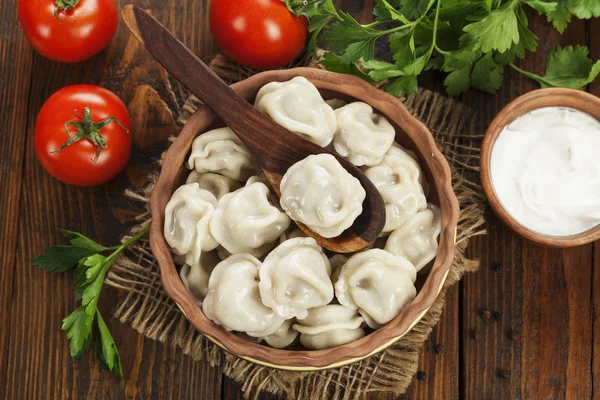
540	345
546	343
35	362
15	74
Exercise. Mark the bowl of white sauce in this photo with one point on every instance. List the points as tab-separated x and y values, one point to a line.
540	166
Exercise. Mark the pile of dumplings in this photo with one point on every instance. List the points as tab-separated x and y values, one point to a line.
251	269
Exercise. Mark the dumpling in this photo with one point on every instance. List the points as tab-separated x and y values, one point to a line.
233	300
218	185
295	277
292	234
195	277
362	136
283	337
298	106
337	261
222	152
378	284
246	222
187	218
329	326
399	179
336	103
321	194
417	239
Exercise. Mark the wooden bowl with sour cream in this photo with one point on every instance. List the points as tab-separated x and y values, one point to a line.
534	100
410	133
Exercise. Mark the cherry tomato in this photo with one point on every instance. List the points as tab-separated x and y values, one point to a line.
68	30
257	33
98	142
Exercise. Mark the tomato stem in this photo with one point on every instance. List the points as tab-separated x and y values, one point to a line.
88	129
64	5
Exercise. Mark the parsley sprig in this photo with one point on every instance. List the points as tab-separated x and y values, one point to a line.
85	324
470	40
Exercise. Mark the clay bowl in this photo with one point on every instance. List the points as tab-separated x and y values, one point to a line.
533	100
411	134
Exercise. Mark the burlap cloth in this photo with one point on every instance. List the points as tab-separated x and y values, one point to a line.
148	309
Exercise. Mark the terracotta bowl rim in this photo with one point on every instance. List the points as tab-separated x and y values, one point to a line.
376	341
546	97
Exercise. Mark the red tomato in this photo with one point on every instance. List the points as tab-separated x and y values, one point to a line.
68	34
257	33
108	132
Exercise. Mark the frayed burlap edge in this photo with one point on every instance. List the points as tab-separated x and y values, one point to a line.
148	309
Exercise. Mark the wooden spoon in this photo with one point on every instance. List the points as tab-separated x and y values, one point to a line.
275	148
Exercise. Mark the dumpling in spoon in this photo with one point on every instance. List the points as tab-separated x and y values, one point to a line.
322	195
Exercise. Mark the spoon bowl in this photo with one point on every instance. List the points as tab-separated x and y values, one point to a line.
275	148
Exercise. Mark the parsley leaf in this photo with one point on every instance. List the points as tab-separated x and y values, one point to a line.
543	7
333	63
353	40
414	8
61	258
470	40
584	9
106	349
560	17
487	74
568	67
404	85
91	270
497	31
385	12
79	332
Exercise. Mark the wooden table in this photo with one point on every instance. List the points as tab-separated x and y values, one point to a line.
542	340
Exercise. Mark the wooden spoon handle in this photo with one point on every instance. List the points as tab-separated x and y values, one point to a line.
194	74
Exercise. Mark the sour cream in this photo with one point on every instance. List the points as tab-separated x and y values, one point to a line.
545	169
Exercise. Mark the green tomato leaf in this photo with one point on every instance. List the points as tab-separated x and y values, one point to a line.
497	31
78	326
403	86
106	348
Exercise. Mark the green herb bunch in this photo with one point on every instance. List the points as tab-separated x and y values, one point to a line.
86	325
469	40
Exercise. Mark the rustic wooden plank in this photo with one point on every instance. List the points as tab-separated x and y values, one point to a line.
594	88
539	347
15	73
37	361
